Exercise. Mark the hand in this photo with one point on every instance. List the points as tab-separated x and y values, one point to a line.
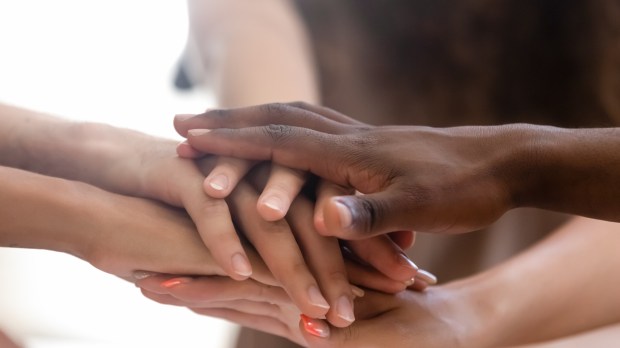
438	318
432	319
304	262
414	178
121	235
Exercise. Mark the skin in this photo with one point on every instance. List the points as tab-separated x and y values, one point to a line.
98	154
420	178
517	302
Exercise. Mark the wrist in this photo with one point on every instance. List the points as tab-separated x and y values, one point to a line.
525	158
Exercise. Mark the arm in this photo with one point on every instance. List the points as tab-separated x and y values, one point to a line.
564	285
55	214
419	178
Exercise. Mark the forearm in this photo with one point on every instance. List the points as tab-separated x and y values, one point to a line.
569	170
98	154
253	52
567	284
42	212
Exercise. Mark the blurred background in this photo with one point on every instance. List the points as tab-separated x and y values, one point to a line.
111	61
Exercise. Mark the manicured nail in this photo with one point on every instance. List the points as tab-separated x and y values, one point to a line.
427	276
241	265
406	262
198	132
219	182
410	282
182	117
139	275
274	203
344	308
175	281
346	219
316	299
315	327
357	291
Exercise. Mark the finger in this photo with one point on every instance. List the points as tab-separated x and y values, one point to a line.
383	254
323	154
369	278
225	176
276	244
260	115
327	112
215	289
404	239
214	224
185	150
256	322
282	187
363	216
325	191
325	261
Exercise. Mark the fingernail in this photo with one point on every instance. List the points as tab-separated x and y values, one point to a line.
139	275
344	308
427	276
274	203
198	132
182	117
175	281
315	327
357	291
406	262
241	265
410	282
345	214
219	182
316	299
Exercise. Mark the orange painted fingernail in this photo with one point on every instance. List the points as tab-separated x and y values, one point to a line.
315	327
170	283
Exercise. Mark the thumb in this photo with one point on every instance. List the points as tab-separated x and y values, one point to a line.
364	216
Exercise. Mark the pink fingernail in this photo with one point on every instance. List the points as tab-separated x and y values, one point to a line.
344	308
219	182
274	203
427	276
346	219
316	299
315	327
241	265
198	132
139	275
357	291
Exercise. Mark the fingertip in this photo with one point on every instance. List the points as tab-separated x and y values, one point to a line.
179	119
241	267
185	150
337	217
314	327
272	207
217	185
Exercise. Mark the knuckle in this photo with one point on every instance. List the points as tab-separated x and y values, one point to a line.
275	109
278	132
299	104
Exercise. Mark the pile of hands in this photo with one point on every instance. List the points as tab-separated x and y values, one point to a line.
277	249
